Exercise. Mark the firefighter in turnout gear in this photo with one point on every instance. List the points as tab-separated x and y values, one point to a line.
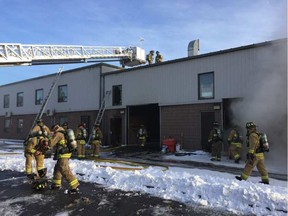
81	136
159	57
142	135
64	143
215	140
235	144
255	155
150	57
35	148
96	140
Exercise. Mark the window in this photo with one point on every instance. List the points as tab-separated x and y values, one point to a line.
39	96
20	125
117	95
7	122
20	99
6	101
206	85
62	93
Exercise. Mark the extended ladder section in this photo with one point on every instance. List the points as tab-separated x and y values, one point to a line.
100	112
22	54
102	108
45	102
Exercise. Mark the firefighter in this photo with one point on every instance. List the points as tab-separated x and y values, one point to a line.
96	140
63	152
39	135
159	57
255	155
81	136
150	57
235	144
215	140
65	125
142	135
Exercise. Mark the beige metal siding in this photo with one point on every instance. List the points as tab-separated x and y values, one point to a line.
177	83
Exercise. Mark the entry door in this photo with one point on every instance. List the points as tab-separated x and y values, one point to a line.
207	119
116	131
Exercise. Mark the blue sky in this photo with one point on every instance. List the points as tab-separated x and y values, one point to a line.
166	25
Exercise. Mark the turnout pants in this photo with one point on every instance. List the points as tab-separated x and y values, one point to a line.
95	148
81	148
62	169
216	149
258	161
29	162
235	149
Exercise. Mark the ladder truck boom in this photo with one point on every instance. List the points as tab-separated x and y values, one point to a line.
27	54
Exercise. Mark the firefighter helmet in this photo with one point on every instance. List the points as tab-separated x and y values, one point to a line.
65	124
216	124
40	184
250	125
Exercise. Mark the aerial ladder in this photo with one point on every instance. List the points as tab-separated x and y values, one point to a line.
13	54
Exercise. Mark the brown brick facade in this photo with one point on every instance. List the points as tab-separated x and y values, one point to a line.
183	123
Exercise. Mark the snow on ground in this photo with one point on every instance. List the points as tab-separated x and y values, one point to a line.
190	186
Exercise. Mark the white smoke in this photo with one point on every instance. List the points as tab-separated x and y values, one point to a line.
266	102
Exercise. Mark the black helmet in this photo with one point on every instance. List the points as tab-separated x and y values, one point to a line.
250	125
216	124
64	124
39	121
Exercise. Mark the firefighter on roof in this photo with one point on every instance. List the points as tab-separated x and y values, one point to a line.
96	140
150	57
215	140
255	155
159	57
35	148
235	144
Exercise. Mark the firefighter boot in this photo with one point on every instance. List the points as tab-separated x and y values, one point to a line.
238	178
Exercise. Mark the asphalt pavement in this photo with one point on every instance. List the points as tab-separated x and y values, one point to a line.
18	198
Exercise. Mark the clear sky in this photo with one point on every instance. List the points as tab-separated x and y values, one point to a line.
165	25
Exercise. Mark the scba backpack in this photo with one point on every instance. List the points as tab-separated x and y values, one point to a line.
70	137
264	145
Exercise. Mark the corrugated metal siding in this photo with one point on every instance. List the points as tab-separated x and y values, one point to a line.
83	92
178	83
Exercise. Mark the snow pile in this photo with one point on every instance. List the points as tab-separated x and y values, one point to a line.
190	186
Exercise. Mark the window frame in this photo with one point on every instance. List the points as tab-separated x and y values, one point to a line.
200	90
20	103
7	123
37	102
117	95
64	98
6	101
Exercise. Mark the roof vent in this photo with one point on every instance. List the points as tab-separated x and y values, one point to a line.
193	48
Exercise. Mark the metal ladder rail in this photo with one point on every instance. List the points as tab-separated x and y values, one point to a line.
100	113
45	102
